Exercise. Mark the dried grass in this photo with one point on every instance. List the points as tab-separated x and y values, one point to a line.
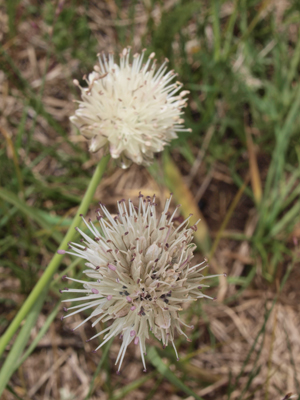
62	365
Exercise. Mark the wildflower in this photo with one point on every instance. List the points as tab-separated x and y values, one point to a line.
130	108
140	274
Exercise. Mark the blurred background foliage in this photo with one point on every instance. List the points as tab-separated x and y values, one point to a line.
240	60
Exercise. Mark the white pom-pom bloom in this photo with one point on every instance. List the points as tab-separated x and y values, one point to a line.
140	274
133	108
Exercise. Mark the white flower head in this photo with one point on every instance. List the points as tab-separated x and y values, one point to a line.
141	273
132	108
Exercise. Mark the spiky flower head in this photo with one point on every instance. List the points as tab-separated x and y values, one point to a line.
141	273
131	108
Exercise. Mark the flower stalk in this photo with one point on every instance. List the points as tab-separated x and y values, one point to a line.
54	263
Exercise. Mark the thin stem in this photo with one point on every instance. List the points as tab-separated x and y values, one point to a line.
228	216
54	263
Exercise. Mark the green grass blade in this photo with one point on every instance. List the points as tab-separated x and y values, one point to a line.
229	31
290	216
54	263
283	138
292	74
99	366
245	285
132	386
30	212
172	21
39	336
10	363
163	369
154	389
216	29
11	390
11	6
7	215
253	374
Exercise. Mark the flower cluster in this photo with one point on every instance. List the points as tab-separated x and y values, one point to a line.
141	273
133	109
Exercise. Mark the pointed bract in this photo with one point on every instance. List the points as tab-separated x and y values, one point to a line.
140	273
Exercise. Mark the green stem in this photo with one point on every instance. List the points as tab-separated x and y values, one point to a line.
54	263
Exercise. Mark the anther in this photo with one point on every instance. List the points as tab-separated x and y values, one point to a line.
112	267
